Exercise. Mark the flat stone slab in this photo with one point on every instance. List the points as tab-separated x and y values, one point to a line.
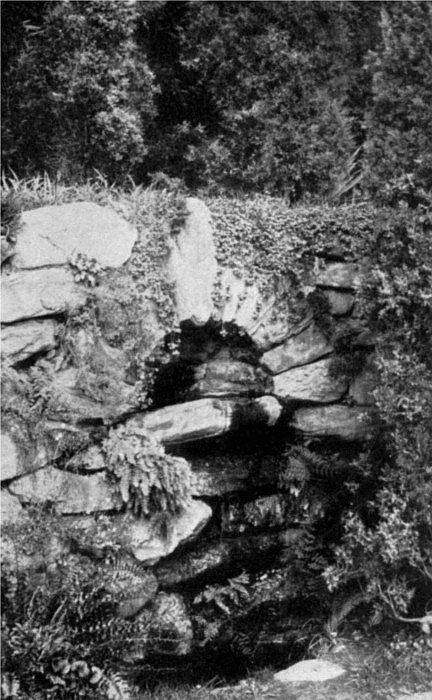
28	294
309	383
313	671
205	418
21	341
301	349
418	696
52	235
343	422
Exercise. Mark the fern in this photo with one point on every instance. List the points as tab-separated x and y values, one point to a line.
148	480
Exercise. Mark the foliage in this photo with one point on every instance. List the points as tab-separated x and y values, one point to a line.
398	155
387	548
85	270
78	97
61	637
259	102
148	480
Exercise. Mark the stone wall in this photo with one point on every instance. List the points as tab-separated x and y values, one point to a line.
241	383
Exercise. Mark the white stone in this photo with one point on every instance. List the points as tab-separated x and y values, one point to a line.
70	493
307	345
314	671
192	266
271	408
52	235
418	696
21	341
309	383
41	292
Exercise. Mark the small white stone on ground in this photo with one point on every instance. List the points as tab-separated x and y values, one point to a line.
312	670
418	696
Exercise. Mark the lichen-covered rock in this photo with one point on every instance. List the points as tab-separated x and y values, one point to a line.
342	422
306	346
312	383
29	294
52	235
191	265
21	341
339	275
69	493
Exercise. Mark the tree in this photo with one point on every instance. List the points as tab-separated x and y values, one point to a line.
398	148
79	96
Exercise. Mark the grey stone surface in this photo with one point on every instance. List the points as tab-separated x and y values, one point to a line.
29	294
343	422
22	340
300	349
312	383
52	235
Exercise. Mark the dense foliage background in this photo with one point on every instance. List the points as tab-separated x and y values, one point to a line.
293	98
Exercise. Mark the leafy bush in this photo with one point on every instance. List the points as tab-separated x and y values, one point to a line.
78	98
61	636
387	546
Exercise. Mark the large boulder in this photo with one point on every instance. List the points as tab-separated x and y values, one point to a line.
69	493
312	383
306	346
21	341
342	422
52	235
48	291
191	265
